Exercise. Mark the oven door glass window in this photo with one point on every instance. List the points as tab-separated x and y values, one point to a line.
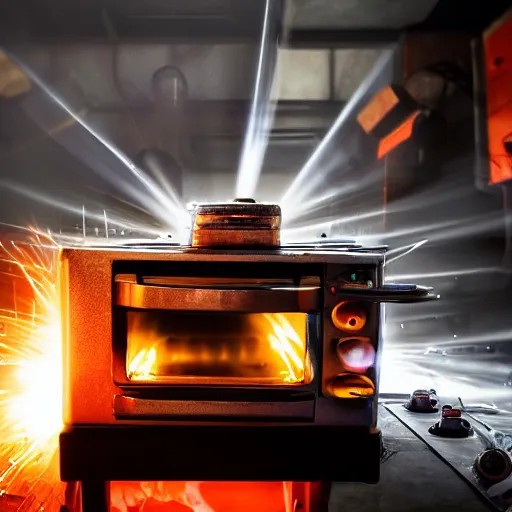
175	347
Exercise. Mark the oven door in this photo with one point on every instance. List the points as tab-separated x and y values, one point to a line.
214	345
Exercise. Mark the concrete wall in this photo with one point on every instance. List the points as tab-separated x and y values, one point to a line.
54	158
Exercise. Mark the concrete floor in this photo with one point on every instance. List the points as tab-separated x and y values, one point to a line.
413	479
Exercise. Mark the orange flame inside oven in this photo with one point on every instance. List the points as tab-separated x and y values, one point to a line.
218	348
30	376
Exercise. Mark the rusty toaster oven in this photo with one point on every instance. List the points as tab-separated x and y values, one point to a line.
230	358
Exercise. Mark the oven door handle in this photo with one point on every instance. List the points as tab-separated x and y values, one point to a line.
301	299
398	293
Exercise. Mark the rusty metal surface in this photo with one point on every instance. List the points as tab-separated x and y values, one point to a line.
240	207
129	407
243	222
182	253
235	238
87	293
287	300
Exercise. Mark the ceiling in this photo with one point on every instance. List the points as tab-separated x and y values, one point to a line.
100	56
357	14
225	19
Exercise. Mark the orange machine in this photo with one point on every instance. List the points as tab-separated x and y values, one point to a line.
390	116
497	41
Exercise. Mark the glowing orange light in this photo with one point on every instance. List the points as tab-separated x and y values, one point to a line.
141	366
201	496
288	344
31	374
399	135
348	317
351	386
268	349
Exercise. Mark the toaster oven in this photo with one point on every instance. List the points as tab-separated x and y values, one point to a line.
230	358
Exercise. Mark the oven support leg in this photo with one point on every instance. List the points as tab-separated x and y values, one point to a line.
311	497
320	493
95	496
72	497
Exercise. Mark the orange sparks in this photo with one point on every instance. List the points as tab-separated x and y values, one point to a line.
30	374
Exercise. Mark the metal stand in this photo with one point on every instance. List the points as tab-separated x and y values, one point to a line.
95	456
315	497
95	496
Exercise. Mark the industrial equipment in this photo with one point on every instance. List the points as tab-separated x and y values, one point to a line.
451	424
237	356
238	371
423	401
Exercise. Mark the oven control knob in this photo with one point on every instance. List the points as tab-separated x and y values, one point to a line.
348	317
